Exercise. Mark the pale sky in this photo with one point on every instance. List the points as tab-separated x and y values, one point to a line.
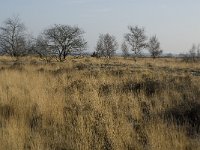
175	22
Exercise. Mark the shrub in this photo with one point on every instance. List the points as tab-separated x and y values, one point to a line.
6	111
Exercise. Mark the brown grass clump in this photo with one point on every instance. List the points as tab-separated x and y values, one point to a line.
90	103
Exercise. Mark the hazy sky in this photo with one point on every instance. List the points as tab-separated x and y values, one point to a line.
175	22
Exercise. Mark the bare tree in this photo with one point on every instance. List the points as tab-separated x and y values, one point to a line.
43	49
13	37
154	47
136	39
100	49
192	52
106	45
125	51
30	45
64	39
198	52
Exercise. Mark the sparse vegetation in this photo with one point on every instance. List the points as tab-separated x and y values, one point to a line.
87	103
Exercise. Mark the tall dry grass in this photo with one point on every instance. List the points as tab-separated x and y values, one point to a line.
88	103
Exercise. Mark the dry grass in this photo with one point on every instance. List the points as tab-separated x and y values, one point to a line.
88	103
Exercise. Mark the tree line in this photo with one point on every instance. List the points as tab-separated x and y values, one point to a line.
193	54
63	40
134	41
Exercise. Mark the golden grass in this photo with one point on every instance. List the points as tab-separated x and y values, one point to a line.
88	103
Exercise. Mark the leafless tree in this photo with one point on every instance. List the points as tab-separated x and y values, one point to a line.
43	49
106	45
192	52
125	51
136	39
198	52
64	39
154	47
13	37
100	50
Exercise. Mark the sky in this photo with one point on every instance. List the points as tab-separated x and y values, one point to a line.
175	22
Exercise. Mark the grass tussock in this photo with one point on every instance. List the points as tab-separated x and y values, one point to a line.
89	103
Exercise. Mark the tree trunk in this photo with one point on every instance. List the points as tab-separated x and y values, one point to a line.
135	58
64	55
60	57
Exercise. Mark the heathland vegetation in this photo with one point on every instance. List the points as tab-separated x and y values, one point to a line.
96	103
101	102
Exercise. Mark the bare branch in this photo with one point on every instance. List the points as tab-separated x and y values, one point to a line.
12	37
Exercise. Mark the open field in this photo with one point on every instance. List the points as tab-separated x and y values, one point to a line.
89	103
